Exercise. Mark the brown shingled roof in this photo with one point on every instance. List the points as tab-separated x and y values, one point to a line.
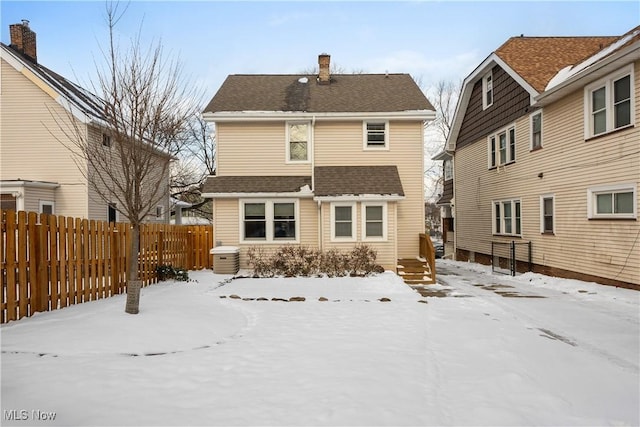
538	59
346	93
255	184
357	180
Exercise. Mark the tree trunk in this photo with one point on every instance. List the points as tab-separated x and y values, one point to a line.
133	284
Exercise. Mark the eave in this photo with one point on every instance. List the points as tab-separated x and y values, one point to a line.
241	116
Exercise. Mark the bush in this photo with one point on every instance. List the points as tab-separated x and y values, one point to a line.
167	272
291	261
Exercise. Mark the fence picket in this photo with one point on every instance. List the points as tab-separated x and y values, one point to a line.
51	262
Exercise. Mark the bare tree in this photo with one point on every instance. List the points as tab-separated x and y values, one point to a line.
196	161
145	106
444	97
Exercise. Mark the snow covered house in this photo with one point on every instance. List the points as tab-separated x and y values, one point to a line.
325	161
546	148
37	171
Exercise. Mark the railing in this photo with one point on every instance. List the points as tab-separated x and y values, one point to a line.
428	252
507	259
50	262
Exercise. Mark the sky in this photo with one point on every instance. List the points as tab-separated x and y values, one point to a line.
563	353
431	40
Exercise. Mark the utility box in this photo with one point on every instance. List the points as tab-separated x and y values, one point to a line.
226	259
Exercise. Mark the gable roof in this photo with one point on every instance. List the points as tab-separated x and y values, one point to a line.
83	104
535	62
538	59
347	93
332	181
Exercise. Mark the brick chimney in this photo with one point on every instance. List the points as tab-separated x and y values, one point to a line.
324	75
23	39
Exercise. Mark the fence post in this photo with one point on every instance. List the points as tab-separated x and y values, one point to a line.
42	281
513	257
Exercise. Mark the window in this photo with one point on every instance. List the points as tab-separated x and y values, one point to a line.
507	217
608	103
255	221
612	202
536	130
7	201
106	140
269	221
112	213
374	221
376	135
46	207
159	212
502	147
343	225
547	209
448	170
487	91
298	142
284	221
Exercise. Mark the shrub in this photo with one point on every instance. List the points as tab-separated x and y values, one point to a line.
291	261
167	272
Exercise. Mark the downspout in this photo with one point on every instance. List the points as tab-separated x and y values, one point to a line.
313	179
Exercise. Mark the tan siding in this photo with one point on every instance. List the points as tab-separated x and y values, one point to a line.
226	215
29	150
33	197
254	149
570	165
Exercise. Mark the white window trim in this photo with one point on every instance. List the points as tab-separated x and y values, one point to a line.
363	221
47	202
553	207
365	146
354	219
607	82
496	135
612	188
485	89
288	143
513	217
268	216
531	147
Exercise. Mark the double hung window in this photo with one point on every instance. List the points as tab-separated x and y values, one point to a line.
608	103
269	221
298	137
502	147
547	212
507	217
536	130
376	135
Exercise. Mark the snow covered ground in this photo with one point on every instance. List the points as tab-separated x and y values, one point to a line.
496	350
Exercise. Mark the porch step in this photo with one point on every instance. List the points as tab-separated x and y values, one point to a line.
414	271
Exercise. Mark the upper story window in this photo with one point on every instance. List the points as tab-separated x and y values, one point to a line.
502	147
608	103
536	130
106	140
616	201
448	169
298	137
487	90
376	135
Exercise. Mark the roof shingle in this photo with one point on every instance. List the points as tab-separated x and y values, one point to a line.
255	184
301	93
357	180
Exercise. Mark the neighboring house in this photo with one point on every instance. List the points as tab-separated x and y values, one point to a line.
446	202
37	171
546	144
326	161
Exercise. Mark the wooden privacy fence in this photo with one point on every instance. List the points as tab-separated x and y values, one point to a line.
50	262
